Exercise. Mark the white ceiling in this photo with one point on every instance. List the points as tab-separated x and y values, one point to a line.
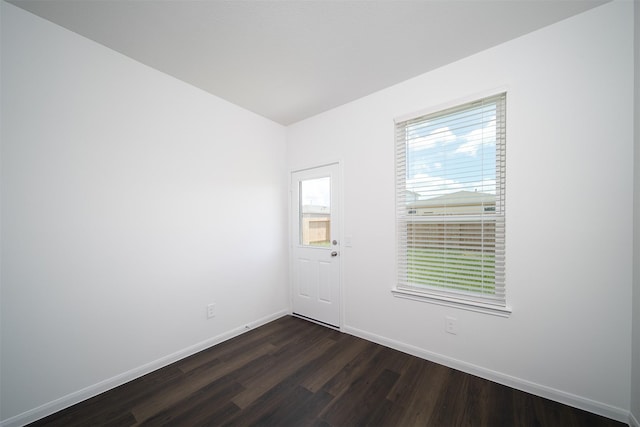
289	60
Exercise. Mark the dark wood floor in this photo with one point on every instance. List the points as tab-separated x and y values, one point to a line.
294	373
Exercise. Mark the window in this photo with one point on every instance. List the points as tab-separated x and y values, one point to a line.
315	211
450	194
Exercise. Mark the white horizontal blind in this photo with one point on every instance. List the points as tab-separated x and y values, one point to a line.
450	194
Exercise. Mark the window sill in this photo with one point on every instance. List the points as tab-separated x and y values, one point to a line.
452	302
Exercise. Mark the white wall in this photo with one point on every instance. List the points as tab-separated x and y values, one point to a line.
635	377
130	200
569	212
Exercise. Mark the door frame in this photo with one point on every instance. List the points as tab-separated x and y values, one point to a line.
293	222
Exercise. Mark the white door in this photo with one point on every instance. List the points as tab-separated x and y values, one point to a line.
315	244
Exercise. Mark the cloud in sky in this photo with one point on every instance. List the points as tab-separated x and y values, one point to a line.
316	192
476	138
439	136
428	186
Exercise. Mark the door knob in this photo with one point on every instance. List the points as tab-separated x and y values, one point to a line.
334	253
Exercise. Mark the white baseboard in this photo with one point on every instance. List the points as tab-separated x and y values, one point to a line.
108	384
576	401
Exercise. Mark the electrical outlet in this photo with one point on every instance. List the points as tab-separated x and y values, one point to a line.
211	310
450	325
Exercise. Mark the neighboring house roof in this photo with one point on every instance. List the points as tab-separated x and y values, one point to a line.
315	209
411	196
463	198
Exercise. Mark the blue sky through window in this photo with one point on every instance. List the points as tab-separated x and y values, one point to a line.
451	152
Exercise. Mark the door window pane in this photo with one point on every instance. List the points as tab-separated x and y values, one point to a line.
315	212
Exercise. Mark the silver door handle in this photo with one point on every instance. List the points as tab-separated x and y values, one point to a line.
334	253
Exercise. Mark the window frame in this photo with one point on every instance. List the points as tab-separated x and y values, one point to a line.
474	301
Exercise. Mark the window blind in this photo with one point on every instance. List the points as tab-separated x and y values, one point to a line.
450	202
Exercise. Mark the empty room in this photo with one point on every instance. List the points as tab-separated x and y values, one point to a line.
320	212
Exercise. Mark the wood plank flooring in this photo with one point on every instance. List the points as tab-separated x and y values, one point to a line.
291	372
